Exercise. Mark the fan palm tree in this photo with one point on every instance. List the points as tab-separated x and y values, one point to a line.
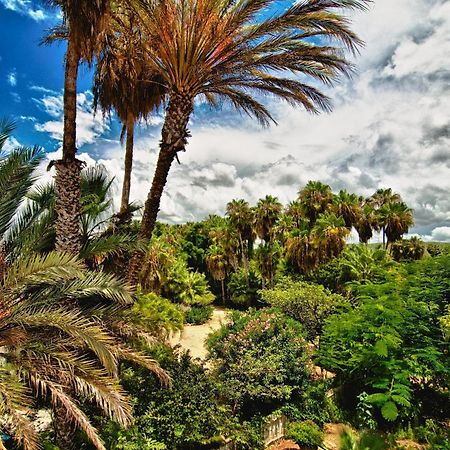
315	198
396	218
380	199
124	83
218	266
241	218
296	211
301	251
267	212
225	50
367	221
308	248
84	22
348	207
330	234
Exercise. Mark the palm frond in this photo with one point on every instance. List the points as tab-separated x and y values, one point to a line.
7	126
16	178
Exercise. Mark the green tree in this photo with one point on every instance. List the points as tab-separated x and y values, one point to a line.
382	199
364	264
56	322
267	213
391	345
225	51
34	228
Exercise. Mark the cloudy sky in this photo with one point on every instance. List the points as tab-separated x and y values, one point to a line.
390	126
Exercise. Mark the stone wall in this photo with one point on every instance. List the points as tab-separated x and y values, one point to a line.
273	431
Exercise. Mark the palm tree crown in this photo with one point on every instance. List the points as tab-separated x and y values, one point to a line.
225	52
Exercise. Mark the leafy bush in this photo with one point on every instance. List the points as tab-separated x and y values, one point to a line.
391	346
434	249
156	314
307	434
408	249
187	287
259	359
198	315
364	264
310	304
367	440
436	436
186	416
243	288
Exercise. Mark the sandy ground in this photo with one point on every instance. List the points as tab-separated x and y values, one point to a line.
193	337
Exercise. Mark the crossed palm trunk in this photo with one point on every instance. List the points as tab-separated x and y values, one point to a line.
174	140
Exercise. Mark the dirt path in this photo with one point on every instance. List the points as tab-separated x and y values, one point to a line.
193	337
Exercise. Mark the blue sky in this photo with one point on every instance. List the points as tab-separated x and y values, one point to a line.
390	126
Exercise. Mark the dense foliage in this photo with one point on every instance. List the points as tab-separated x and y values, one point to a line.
259	359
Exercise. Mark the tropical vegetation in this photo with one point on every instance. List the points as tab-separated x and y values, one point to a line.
318	328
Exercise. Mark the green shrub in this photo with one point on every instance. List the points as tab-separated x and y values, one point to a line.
434	249
198	315
367	440
408	249
260	359
307	434
308	303
436	436
156	314
187	416
243	288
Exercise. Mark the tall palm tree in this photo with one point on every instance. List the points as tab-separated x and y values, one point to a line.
267	212
384	196
367	221
84	22
330	233
218	266
296	211
397	218
347	206
124	83
241	218
315	198
378	200
308	248
225	50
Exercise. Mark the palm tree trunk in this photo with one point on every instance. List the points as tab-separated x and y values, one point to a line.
68	169
64	429
128	165
174	139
